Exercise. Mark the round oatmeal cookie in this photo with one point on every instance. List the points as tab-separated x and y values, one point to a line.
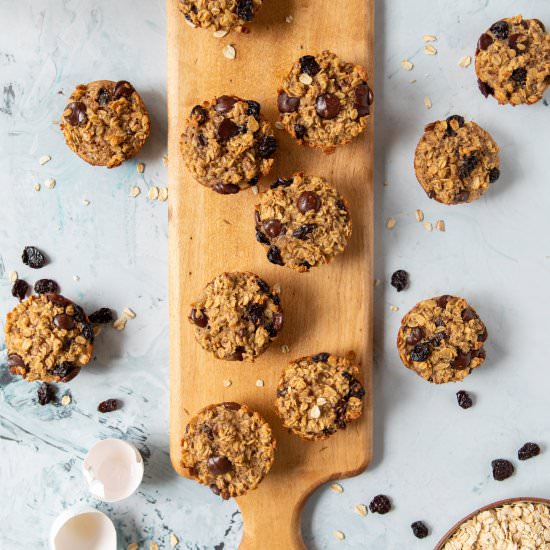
442	339
220	15
302	222
325	102
456	161
513	61
228	145
48	338
105	122
237	316
319	395
229	448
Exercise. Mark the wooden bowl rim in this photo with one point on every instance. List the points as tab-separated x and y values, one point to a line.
451	531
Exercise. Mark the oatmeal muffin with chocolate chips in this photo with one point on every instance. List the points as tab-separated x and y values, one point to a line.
228	145
48	338
229	448
237	316
319	395
302	222
456	161
324	101
442	339
513	61
105	122
220	15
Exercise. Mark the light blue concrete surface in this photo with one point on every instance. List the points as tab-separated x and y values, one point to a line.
431	457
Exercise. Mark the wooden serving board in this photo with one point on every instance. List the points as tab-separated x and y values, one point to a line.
328	309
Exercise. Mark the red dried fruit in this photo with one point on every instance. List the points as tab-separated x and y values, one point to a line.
108	405
464	399
45	393
529	450
380	504
45	286
502	469
101	316
400	280
33	257
419	529
19	289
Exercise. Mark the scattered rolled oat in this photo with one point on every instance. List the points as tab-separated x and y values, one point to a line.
65	400
361	509
464	61
336	488
135	191
285	349
120	323
163	194
140	167
304	78
190	23
133	546
419	215
86	202
390	223
153	193
50	183
321	401
315	412
430	50
165	160
255	189
153	546
427	102
173	540
429	38
227	383
428	226
37	187
220	34
407	65
413	81
259	383
289	18
128	313
44	159
440	225
229	52
13	276
76	278
279	125
394	308
339	535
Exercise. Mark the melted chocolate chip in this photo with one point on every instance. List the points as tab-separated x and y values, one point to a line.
484	88
77	114
219	465
227	129
231	405
123	89
63	321
462	360
327	106
483	336
273	228
58	300
237	355
225	103
287	103
485	40
226	188
363	99
199	320
416	335
468	314
308	200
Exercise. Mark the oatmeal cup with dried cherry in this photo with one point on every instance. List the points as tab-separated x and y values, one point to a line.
48	338
442	339
324	101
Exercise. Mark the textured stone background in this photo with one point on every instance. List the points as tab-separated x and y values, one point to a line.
431	457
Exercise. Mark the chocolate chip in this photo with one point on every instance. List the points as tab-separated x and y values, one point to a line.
253	108
519	76
419	529
300	131
415	335
483	336
63	321
462	196
15	360
33	257
227	129
245	10
226	188
514	40
529	450
500	29
304	230
102	316
66	371
442	301
267	147
308	200
45	393
225	103
19	289
421	352
484	88
479	353
219	465
462	360
464	399
309	65
400	280
103	97
57	299
380	504
287	103
109	405
123	89
278	319
327	106
274	255
468	314
199	320
231	405
363	99
502	469
273	228
199	114
485	40
45	286
77	114
261	238
321	357
282	182
237	354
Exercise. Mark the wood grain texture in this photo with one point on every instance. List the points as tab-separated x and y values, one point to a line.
329	309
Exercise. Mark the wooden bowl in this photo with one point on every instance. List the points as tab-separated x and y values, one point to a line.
451	531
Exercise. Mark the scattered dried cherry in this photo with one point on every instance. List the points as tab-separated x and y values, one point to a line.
101	316
19	289
529	450
33	257
267	147
421	352
500	29
502	469
380	504
419	529
46	286
464	399
400	280
108	405
45	393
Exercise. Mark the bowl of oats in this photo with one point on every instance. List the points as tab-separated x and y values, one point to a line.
522	522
